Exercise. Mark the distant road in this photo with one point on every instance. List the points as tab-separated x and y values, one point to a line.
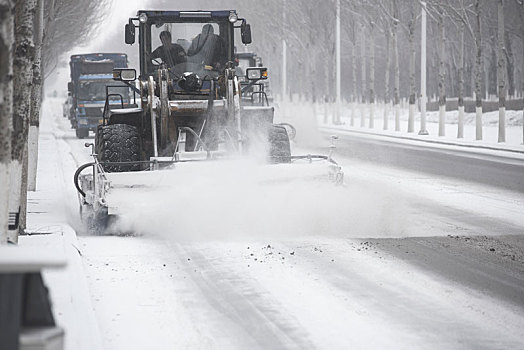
482	167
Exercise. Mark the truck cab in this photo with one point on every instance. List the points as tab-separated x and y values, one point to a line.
90	74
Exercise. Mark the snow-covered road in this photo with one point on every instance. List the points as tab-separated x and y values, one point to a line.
349	282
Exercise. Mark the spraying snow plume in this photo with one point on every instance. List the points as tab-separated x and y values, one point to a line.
236	199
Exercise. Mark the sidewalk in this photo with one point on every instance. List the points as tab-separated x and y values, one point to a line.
50	210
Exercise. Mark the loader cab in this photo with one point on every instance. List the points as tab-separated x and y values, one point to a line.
202	42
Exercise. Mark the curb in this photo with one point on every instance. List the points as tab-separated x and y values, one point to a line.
511	149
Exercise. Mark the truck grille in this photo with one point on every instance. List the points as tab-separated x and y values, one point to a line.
94	111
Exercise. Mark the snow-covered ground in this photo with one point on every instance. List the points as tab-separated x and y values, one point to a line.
323	115
300	276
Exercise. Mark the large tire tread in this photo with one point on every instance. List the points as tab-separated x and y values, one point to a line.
118	143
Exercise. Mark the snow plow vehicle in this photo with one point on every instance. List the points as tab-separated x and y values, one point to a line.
191	109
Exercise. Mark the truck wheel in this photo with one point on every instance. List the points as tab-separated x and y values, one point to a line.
82	133
279	148
118	143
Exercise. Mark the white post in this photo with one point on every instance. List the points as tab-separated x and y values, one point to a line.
423	97
336	118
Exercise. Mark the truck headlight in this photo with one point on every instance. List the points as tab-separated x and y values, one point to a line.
82	121
142	18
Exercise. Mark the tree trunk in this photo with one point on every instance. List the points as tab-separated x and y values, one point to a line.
396	70
23	76
386	80
460	131
478	72
442	77
6	103
510	64
372	77
363	70
412	83
36	98
501	70
354	70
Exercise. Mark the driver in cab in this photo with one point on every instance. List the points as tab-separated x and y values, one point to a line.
170	54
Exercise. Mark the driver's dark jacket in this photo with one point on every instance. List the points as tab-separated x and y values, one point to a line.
171	55
208	50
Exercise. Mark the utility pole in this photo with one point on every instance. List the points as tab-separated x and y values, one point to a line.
336	119
423	98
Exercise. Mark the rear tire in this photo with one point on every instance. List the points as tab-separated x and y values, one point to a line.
82	133
118	143
279	148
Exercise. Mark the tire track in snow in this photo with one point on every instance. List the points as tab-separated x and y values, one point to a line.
417	309
249	309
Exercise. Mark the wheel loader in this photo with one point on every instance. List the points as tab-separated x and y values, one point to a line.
189	108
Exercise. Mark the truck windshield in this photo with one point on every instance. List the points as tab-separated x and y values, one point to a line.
96	91
202	48
243	64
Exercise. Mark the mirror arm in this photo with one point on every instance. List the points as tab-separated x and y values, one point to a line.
133	87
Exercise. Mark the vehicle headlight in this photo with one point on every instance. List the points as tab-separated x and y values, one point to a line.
82	121
233	17
142	18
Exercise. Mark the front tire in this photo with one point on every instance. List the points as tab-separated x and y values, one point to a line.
118	143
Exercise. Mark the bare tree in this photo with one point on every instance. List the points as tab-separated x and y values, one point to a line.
478	70
442	74
363	72
458	14
36	97
412	53
23	75
501	70
6	98
396	70
63	29
387	83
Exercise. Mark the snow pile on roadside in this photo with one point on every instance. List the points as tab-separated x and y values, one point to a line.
513	118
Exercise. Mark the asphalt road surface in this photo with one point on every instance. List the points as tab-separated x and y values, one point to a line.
490	169
427	253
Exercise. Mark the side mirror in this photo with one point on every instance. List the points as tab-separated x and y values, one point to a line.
130	33
124	74
245	32
70	86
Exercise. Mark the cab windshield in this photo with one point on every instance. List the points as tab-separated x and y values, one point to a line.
96	91
201	48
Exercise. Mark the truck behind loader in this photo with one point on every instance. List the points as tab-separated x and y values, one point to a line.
90	73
